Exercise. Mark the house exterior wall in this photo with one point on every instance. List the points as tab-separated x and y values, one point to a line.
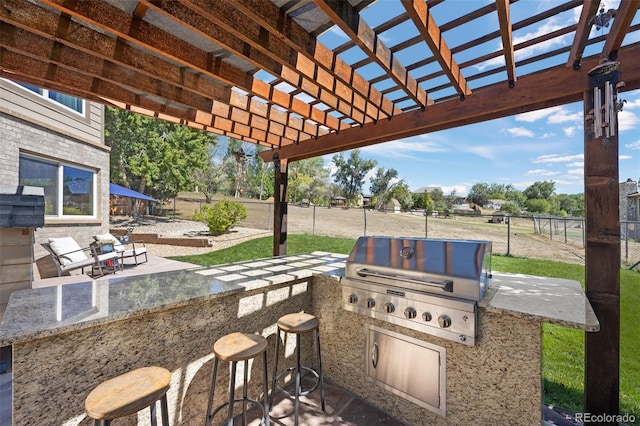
31	124
629	200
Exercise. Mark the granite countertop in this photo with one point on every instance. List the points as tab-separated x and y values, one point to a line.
47	311
553	300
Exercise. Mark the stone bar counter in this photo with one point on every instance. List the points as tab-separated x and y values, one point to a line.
67	339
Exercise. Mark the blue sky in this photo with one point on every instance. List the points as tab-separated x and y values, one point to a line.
517	150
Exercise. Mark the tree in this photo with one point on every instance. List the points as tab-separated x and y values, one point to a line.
479	194
400	191
514	195
538	205
381	181
540	190
351	172
308	179
153	156
511	209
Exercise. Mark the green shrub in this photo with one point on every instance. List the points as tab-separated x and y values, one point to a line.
221	217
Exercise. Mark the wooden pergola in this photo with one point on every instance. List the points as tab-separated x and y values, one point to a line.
255	70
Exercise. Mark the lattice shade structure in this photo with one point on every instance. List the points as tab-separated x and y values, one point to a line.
256	70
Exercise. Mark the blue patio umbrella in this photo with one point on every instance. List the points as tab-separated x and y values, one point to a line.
121	191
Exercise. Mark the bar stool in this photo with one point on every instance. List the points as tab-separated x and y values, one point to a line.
236	347
298	324
129	393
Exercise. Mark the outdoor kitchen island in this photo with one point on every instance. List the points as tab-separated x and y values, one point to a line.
68	339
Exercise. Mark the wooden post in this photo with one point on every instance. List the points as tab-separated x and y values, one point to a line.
602	223
280	206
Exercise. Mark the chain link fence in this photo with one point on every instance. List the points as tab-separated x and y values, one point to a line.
547	238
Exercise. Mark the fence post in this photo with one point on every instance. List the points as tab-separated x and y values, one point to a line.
626	241
508	236
313	225
565	229
550	229
426	223
268	217
364	212
583	237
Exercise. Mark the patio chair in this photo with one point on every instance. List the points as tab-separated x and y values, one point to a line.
128	249
68	256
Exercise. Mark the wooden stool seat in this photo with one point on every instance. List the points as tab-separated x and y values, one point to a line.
298	323
234	348
239	346
128	393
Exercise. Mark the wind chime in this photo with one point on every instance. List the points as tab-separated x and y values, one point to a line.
603	89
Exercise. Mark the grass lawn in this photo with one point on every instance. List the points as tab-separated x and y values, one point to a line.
563	348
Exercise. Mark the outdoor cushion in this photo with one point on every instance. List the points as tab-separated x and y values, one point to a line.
117	245
67	250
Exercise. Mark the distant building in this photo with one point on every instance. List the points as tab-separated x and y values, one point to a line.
424	189
495	204
393	206
629	201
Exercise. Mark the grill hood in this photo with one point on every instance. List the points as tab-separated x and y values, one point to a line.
454	268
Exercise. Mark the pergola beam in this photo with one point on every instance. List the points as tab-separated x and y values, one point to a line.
419	13
621	23
504	20
555	86
321	58
348	20
154	39
585	23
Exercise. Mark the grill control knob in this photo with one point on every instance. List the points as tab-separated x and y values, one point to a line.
410	313
371	302
353	298
444	321
426	316
389	307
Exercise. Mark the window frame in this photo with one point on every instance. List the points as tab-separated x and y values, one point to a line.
46	94
59	186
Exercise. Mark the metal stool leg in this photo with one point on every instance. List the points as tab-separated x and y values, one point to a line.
165	410
212	391
275	370
298	374
266	420
320	370
154	416
244	393
232	389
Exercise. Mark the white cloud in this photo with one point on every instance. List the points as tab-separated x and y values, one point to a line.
555	158
541	172
547	135
576	164
547	27
520	131
564	116
533	116
569	131
630	104
624	157
404	148
460	189
576	172
627	120
633	145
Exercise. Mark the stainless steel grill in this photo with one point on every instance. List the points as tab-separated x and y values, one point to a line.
428	285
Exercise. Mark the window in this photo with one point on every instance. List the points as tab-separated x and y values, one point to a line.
75	104
68	190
